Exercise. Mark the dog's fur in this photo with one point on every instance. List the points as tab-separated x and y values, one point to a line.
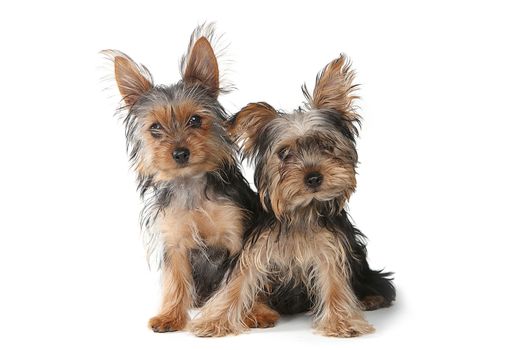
197	203
302	244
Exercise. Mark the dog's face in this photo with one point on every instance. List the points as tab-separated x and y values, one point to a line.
311	158
178	130
307	157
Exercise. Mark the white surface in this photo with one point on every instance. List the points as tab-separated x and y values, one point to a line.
440	191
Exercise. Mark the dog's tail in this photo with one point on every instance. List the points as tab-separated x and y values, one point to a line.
374	288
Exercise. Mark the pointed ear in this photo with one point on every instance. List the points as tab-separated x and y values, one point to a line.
201	66
133	80
334	88
248	123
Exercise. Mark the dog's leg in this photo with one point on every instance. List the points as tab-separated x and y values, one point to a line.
337	310
177	290
226	311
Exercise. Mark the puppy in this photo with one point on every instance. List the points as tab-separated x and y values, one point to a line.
197	203
305	167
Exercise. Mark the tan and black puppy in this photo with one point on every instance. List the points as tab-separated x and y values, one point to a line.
305	171
197	203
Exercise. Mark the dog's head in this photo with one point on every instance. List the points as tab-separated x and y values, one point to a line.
306	157
177	130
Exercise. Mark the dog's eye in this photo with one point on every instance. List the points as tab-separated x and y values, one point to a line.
195	121
155	129
284	153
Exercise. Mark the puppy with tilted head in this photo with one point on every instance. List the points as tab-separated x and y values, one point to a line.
197	203
305	172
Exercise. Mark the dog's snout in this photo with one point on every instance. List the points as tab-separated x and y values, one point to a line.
181	155
313	179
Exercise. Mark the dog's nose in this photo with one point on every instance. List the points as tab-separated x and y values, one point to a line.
181	155
313	179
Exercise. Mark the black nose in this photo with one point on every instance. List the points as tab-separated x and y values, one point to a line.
313	179
181	155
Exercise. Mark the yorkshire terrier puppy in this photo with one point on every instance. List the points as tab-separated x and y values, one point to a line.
197	203
305	171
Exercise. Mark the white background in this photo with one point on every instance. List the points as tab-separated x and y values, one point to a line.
440	187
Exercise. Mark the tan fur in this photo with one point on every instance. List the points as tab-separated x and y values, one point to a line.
294	146
198	141
177	292
249	121
227	310
202	66
130	81
334	88
289	192
339	313
314	257
261	316
213	223
179	213
288	189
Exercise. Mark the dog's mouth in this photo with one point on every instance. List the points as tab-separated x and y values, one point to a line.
320	204
181	171
310	197
182	166
325	194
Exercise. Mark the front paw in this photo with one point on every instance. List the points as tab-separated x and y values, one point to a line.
213	328
345	328
168	322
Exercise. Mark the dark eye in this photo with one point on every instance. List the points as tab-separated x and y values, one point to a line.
195	121
155	129
284	153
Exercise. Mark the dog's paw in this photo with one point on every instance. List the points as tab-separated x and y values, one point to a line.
374	302
168	323
345	328
213	328
261	316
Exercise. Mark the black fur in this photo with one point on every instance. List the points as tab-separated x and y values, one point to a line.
230	183
227	182
292	297
335	123
365	281
289	299
209	264
208	268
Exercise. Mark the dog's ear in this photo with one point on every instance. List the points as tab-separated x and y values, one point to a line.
133	79
334	88
201	67
248	124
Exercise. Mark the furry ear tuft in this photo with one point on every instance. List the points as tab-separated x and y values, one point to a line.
247	124
335	89
133	79
201	66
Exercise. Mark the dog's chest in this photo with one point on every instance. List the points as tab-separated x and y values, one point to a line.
192	221
298	249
